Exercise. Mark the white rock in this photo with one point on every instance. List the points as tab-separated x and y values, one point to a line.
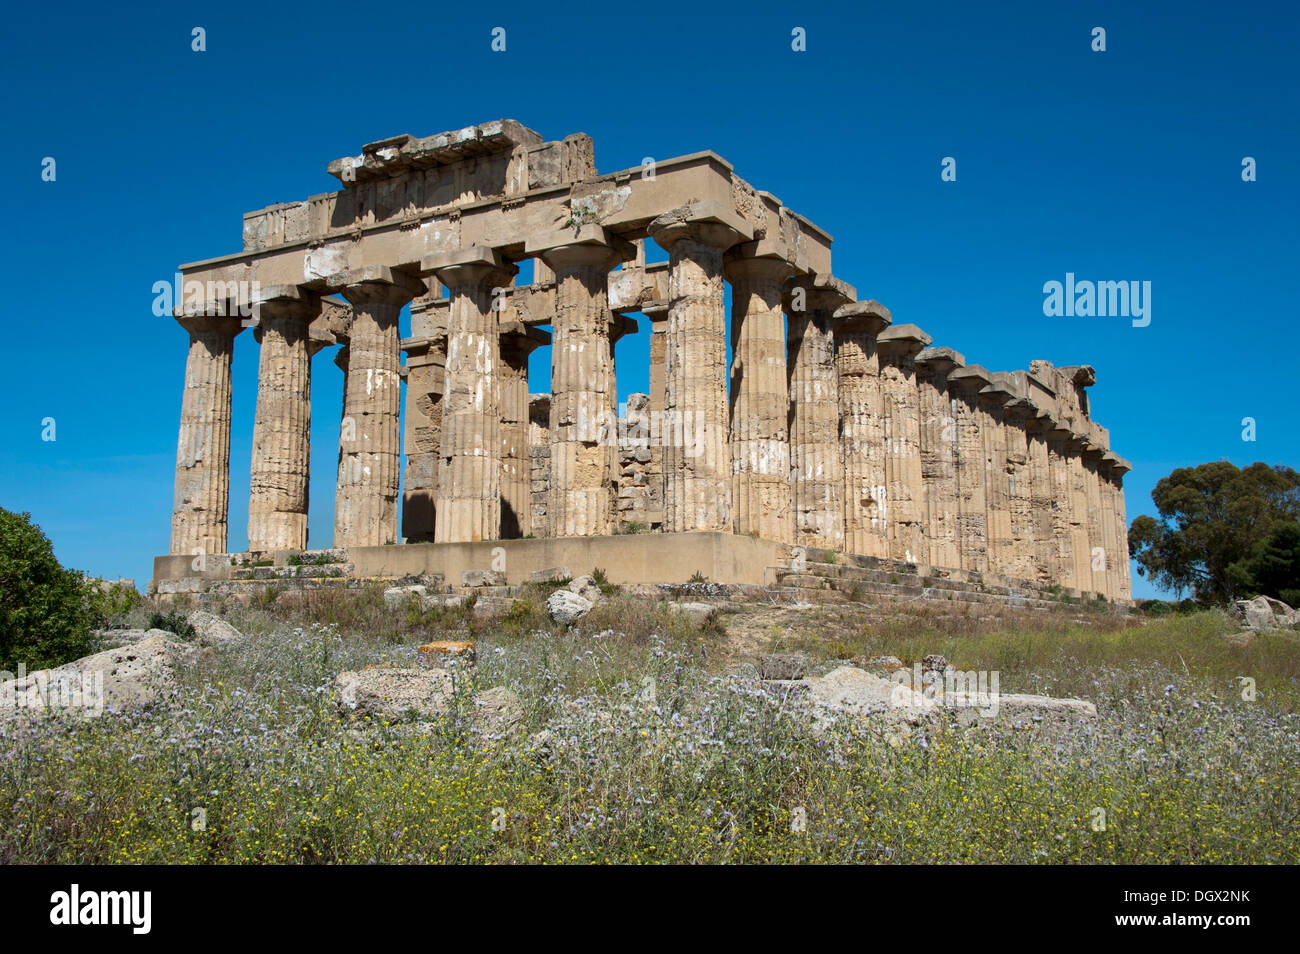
585	586
213	630
567	607
398	595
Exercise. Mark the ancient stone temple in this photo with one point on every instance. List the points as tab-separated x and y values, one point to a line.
826	426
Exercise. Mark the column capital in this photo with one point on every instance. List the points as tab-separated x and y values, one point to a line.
205	321
468	266
940	360
869	316
1001	389
759	260
903	341
822	292
971	378
522	339
587	245
379	284
708	223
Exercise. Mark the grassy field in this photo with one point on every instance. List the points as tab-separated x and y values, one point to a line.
248	759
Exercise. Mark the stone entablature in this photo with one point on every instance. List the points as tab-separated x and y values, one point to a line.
829	427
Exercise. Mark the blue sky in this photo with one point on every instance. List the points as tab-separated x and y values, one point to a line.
1122	165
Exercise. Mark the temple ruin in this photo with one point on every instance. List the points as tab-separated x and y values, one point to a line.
831	427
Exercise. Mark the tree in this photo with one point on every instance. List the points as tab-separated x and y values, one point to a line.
44	609
1212	519
1273	567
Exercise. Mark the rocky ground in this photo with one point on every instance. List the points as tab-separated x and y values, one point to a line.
577	722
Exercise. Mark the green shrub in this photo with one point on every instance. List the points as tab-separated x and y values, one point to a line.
172	623
45	611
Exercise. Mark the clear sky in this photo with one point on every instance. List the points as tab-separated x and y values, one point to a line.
1116	165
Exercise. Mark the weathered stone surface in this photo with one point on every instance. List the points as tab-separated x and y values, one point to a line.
698	612
212	630
1263	614
442	652
862	426
396	596
567	607
783	666
498	711
585	586
116	680
199	515
553	574
938	449
482	578
904	489
393	694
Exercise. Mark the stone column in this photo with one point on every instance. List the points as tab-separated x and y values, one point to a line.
964	385
1058	465
539	454
993	398
278	485
1023	553
518	341
657	315
365	509
426	364
816	462
1079	539
469	465
697	461
1098	539
584	394
899	346
1047	565
939	455
862	426
1123	578
202	495
760	441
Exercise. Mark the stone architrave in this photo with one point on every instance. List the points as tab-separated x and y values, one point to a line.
972	420
697	459
469	464
899	346
281	467
202	495
365	508
760	440
862	426
939	455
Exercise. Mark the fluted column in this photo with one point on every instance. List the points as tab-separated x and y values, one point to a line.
964	385
1047	567
1098	538
1079	538
1023	552
816	464
939	455
760	440
365	508
426	362
518	341
281	466
584	393
993	398
697	460
1123	579
862	426
1058	465
469	466
202	492
899	346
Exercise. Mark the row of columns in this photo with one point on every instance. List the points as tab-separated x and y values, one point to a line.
838	429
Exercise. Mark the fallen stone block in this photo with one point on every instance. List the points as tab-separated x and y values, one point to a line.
396	596
567	607
585	586
553	574
783	666
698	612
212	630
393	693
443	651
476	578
